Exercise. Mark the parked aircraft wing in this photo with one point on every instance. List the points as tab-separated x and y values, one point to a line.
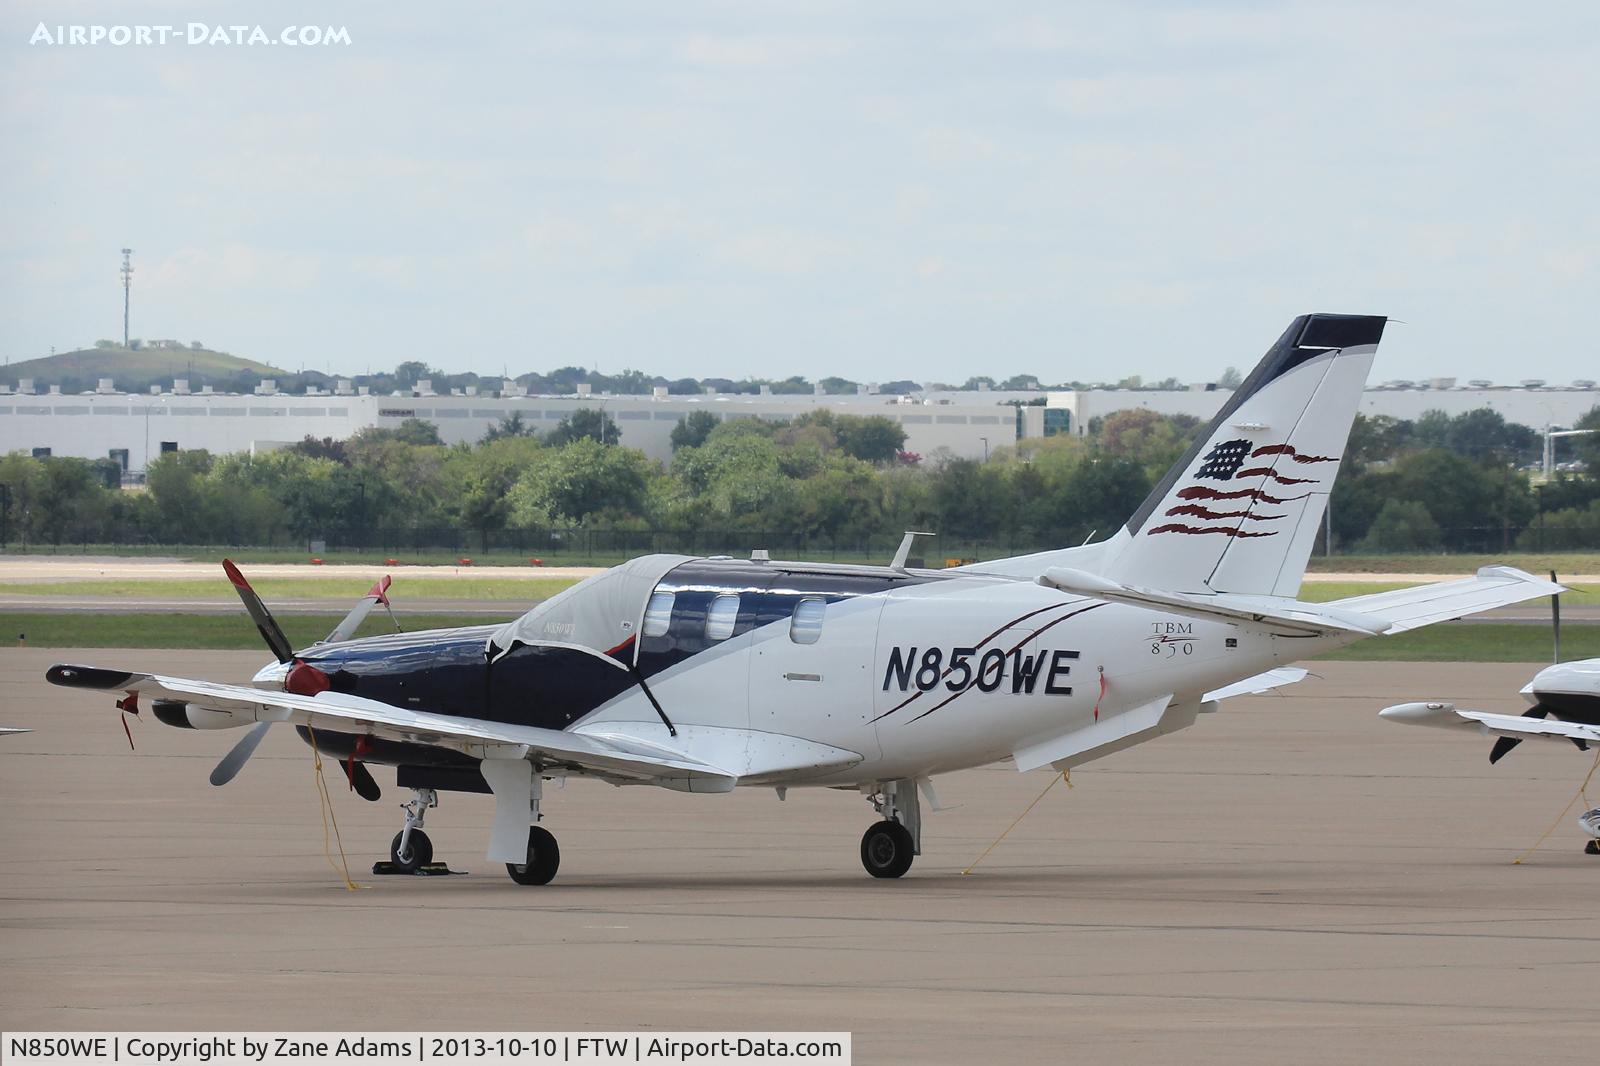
1493	586
340	712
1448	716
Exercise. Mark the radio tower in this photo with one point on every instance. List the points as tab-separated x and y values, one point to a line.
127	283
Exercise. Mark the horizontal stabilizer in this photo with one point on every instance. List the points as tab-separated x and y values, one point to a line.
1309	618
1262	682
1491	587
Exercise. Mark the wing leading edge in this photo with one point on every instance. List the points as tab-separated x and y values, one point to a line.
610	758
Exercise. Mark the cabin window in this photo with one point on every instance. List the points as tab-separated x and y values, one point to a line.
658	614
805	627
721	617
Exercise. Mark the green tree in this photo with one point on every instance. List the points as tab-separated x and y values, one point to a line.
693	429
970	500
1587	448
586	423
407	374
1375	439
174	482
579	480
1571	529
1402	526
511	425
870	438
417	431
1152	440
486	476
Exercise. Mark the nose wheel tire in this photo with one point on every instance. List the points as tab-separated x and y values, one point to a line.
544	858
887	850
419	852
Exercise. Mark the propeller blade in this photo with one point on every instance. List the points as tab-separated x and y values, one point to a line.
362	781
346	629
1504	745
268	626
235	759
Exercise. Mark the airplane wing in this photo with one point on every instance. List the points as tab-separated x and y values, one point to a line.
611	758
6	731
1448	716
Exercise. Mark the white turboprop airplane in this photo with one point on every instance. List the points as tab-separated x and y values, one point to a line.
1563	704
702	675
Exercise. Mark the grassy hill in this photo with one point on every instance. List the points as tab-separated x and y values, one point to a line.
136	370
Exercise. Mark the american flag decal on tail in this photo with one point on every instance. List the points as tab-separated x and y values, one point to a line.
1231	511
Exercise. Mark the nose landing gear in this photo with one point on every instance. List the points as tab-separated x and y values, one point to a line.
411	850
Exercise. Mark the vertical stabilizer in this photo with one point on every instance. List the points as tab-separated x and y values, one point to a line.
1240	511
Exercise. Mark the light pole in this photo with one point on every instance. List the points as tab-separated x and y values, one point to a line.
1550	435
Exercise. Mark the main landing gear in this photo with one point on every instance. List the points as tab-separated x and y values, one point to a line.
888	847
411	850
544	858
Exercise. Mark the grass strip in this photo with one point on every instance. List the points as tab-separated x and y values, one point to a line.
199	632
516	590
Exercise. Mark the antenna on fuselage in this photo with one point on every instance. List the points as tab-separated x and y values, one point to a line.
903	552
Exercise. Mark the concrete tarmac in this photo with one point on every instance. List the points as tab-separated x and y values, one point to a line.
1292	880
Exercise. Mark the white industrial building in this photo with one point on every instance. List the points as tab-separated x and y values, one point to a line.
135	428
1535	407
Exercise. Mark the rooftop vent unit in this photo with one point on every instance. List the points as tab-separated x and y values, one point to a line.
180	386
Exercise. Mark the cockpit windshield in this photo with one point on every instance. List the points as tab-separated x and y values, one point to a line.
601	613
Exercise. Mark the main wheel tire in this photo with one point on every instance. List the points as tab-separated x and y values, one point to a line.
887	850
544	858
419	851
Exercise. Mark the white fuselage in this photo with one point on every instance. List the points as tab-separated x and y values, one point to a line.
943	676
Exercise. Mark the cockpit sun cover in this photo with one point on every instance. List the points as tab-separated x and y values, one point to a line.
600	614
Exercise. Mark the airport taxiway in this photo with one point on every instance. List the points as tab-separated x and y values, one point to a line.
1292	880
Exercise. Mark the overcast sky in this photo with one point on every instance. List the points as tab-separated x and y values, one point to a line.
876	190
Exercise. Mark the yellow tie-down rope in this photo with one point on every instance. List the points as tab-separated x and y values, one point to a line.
343	866
1065	775
1582	793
